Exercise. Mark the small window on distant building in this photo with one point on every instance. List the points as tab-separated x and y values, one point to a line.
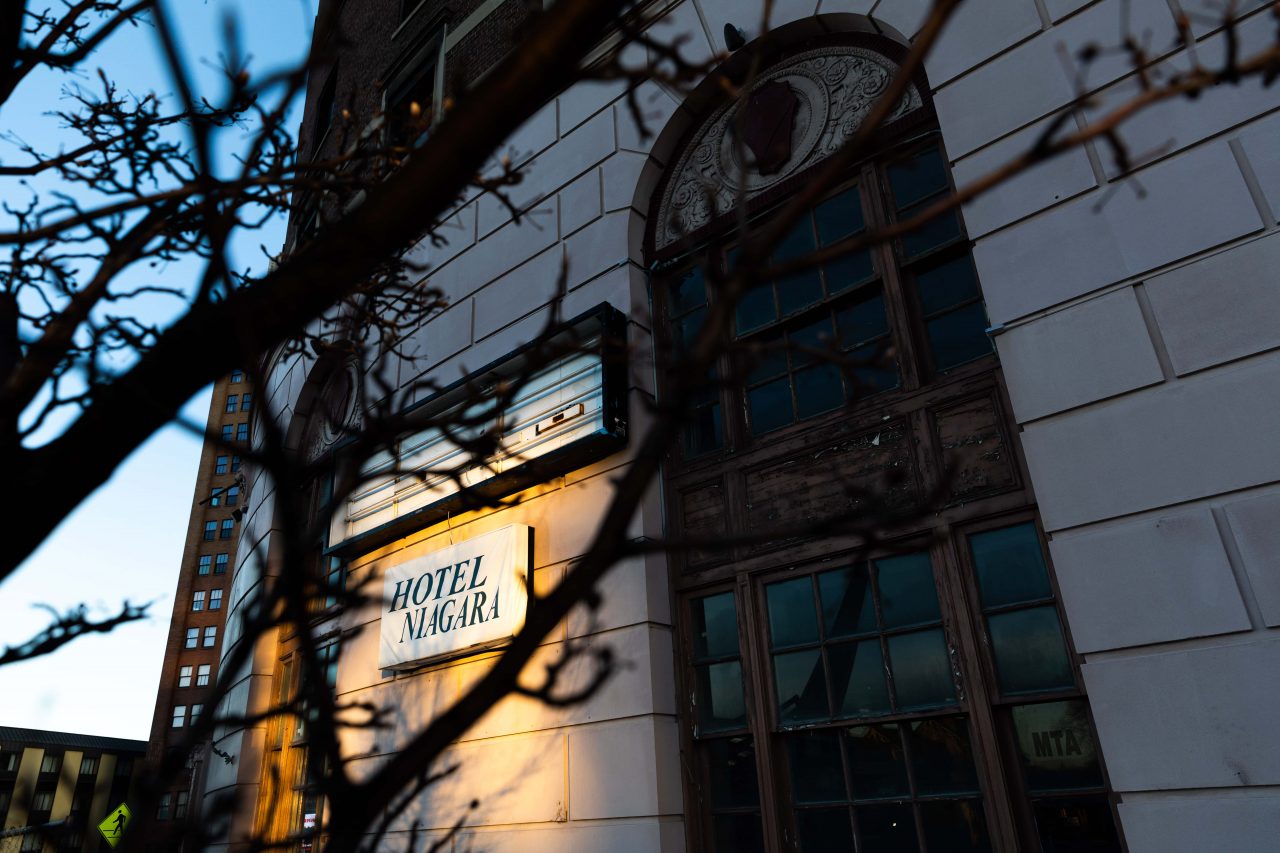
193	637
237	376
197	600
179	716
162	810
89	765
215	497
228	432
235	464
232	400
215	599
184	676
227	526
180	806
50	763
232	496
220	465
210	636
206	562
242	432
202	675
32	841
8	763
220	567
42	801
246	402
210	530
196	710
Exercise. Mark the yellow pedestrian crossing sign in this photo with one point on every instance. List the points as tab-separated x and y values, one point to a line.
113	825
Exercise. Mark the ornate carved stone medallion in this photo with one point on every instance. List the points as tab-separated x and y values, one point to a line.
828	93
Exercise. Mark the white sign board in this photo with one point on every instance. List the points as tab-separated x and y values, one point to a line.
468	596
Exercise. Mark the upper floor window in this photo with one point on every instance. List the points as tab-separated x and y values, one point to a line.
220	567
8	761
50	763
237	376
210	636
228	432
242	432
205	562
215	599
89	765
246	401
232	400
179	716
197	600
184	676
869	322
42	802
220	465
235	464
224	532
411	96
210	530
202	675
193	638
180	806
164	806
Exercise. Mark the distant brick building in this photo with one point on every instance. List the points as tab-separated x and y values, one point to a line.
55	787
1077	652
197	626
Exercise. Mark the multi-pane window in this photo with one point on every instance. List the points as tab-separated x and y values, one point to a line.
220	465
409	101
870	705
242	432
32	841
210	636
180	805
193	638
237	376
50	763
246	401
232	400
228	432
204	564
215	497
196	710
220	564
224	531
89	765
8	761
231	496
179	716
867	322
202	675
197	600
210	530
166	803
235	464
215	599
42	801
184	676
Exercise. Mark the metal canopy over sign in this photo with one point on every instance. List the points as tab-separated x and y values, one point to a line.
113	825
568	412
464	598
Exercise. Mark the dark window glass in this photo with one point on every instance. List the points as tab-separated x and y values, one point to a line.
210	530
227	526
959	336
235	464
715	626
941	757
738	833
857	679
1055	742
228	432
888	828
1076	825
921	670
220	565
1030	652
878	762
246	402
791	615
720	702
242	432
1010	566
907	592
801	686
817	775
848	605
232	399
237	376
206	561
954	826
220	465
823	830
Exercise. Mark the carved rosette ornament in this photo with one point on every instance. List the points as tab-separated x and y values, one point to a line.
335	410
798	114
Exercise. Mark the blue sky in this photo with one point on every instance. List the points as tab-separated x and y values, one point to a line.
126	541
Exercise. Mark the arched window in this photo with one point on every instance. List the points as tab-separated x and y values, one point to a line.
920	694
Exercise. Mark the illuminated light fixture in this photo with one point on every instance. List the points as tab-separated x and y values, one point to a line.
563	415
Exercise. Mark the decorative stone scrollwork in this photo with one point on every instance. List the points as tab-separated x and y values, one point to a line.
335	410
835	89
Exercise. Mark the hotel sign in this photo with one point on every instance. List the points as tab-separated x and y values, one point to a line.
460	599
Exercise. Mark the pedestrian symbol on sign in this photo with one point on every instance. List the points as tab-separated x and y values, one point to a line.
113	825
